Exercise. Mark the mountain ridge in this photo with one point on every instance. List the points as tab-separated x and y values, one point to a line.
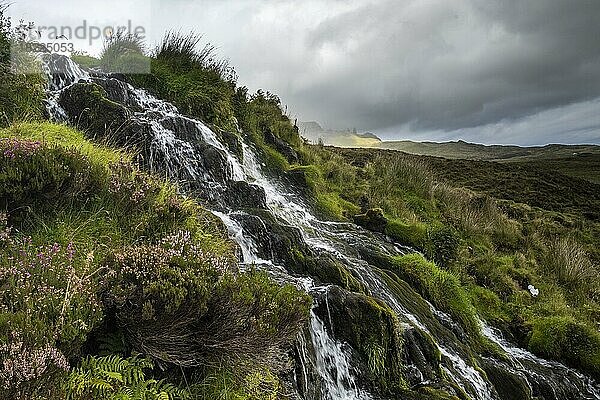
472	151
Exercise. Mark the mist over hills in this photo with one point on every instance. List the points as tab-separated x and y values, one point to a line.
315	133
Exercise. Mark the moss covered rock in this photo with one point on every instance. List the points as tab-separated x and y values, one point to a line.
414	235
88	106
440	287
373	331
373	220
330	271
508	385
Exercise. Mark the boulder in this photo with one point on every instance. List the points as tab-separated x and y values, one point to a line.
89	108
241	194
117	91
281	243
233	143
507	384
373	220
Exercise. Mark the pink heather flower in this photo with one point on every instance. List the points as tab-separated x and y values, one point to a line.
70	251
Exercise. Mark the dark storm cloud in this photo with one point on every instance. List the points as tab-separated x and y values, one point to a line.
450	65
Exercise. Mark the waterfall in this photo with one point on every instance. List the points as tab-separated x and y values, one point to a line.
178	147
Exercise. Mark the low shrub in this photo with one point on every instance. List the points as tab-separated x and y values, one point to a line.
187	307
443	244
33	174
47	307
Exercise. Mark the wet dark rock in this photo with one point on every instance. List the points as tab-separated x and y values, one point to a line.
422	355
117	90
281	146
297	178
328	271
214	161
183	128
281	243
372	220
241	194
233	142
304	378
61	71
88	107
508	385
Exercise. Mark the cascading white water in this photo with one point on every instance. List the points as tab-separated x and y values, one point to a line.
62	73
521	362
333	364
178	156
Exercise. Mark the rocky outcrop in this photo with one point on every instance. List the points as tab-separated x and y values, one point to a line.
233	142
241	194
281	146
89	108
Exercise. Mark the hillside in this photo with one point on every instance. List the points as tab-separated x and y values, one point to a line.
580	161
471	151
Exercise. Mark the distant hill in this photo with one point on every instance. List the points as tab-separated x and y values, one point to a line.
581	161
314	133
471	151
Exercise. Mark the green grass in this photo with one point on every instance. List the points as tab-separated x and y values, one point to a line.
86	61
566	339
65	136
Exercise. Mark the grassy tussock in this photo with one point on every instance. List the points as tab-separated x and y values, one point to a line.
123	53
185	50
569	263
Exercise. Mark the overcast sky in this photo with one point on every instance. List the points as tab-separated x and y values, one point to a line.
511	71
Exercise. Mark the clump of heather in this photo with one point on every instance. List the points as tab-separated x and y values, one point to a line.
129	183
4	230
185	306
48	284
41	175
163	276
23	365
47	308
12	147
